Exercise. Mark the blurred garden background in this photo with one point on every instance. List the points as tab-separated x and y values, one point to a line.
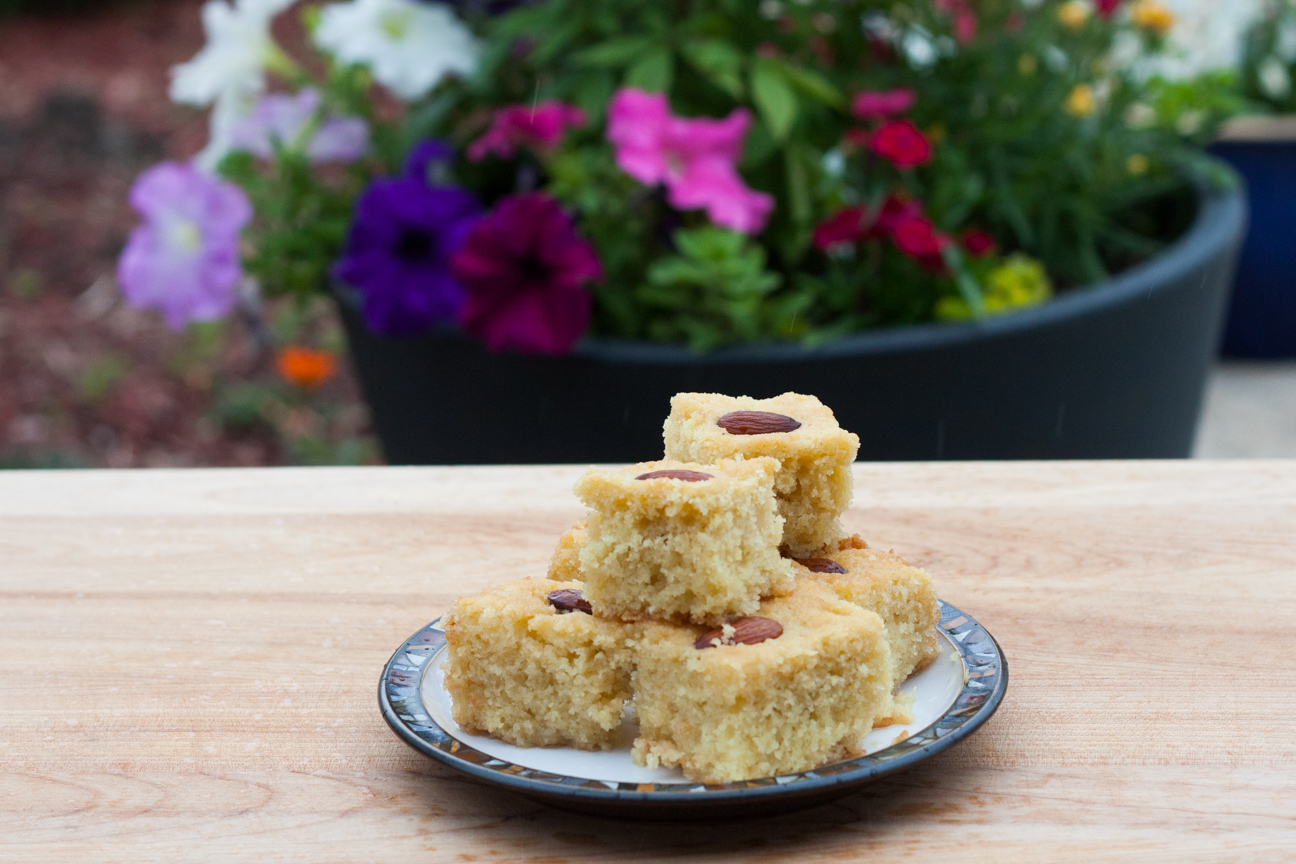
84	379
88	381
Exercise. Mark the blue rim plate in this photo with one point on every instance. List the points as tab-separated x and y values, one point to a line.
985	680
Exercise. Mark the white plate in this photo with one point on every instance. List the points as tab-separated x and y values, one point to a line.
934	689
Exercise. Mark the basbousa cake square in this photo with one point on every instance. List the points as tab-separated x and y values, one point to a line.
902	595
814	483
528	663
682	540
787	690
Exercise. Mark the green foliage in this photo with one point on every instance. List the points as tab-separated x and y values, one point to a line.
26	284
1038	135
301	222
103	376
714	291
1269	58
1037	138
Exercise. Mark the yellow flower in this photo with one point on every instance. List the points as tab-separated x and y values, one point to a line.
1017	283
1027	64
1081	101
1138	164
1073	14
1152	16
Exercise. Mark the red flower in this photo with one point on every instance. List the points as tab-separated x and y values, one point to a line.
1107	8
844	226
894	211
871	104
916	237
978	242
902	143
525	268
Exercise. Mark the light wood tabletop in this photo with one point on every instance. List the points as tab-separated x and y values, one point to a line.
189	664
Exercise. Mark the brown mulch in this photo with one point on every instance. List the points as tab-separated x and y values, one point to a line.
85	380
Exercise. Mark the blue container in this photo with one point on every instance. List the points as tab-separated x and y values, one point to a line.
1262	313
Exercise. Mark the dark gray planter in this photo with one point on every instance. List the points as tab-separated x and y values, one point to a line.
1113	371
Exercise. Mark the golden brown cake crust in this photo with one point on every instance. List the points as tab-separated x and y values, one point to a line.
814	483
902	594
783	705
565	564
523	671
669	548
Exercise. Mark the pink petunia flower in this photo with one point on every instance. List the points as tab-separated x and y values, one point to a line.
1107	8
965	19
696	159
538	127
876	104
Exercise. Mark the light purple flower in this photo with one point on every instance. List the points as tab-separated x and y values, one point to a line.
184	259
283	119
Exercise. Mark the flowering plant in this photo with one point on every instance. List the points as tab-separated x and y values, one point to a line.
536	171
1269	59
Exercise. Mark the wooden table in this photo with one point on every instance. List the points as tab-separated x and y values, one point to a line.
188	667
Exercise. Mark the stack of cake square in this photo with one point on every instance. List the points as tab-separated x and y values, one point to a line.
716	592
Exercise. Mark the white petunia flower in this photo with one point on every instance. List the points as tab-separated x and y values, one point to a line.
1207	36
1285	46
236	54
918	47
228	114
407	45
1275	80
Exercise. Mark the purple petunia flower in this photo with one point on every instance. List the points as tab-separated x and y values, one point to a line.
398	253
525	268
184	259
280	119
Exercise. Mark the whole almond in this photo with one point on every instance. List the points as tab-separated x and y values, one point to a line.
675	474
756	423
746	631
820	565
570	600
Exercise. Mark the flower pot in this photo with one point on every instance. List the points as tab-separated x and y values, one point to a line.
1262	313
1113	371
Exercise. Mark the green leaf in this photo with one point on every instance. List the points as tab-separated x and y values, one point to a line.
813	85
719	62
524	21
654	72
773	97
615	53
553	43
593	92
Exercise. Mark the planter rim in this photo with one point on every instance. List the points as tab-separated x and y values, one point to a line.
1219	222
